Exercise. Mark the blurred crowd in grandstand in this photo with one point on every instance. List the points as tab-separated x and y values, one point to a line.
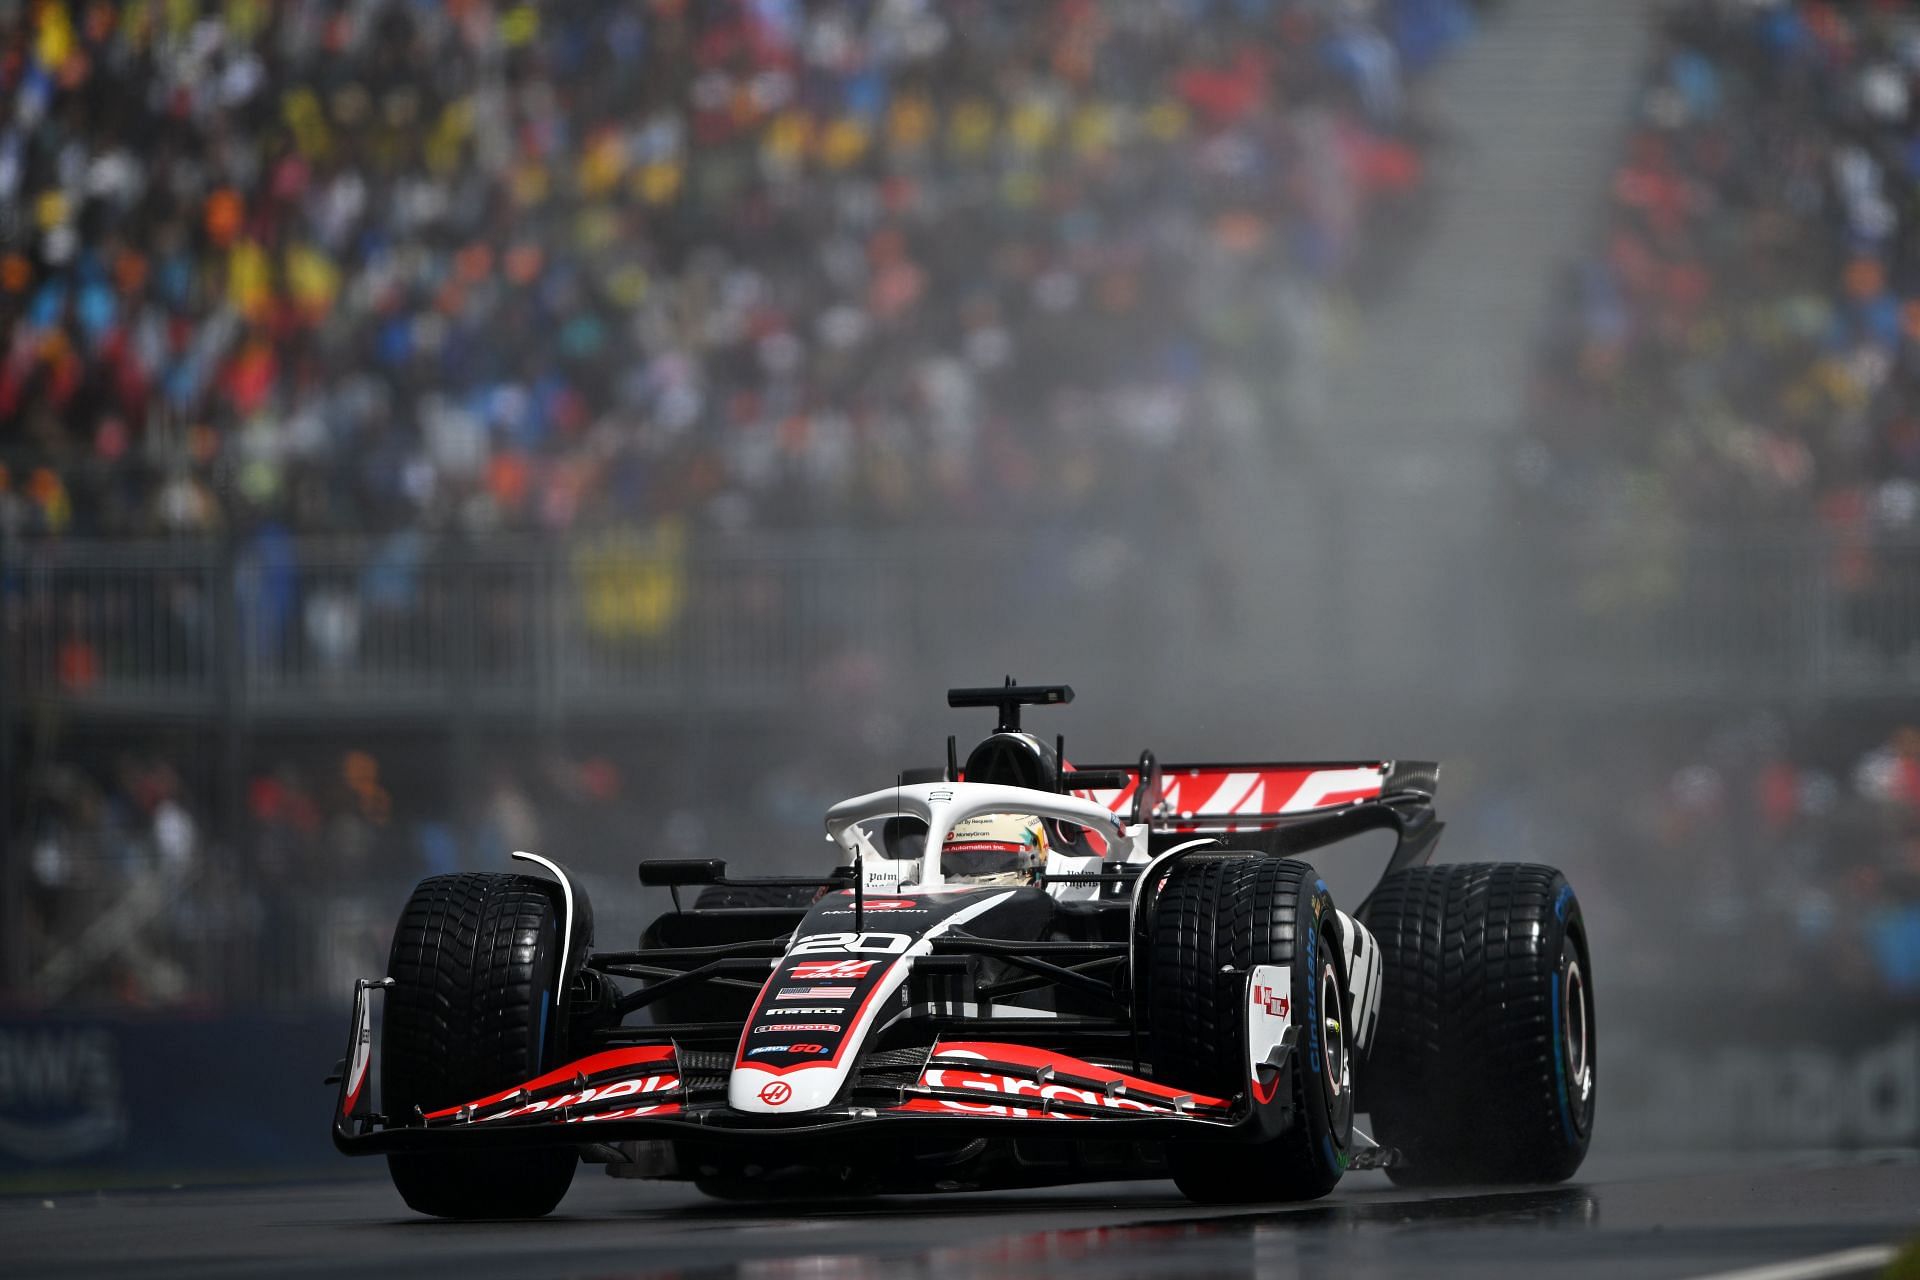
1742	340
1788	850
135	895
1790	853
399	268
367	265
409	267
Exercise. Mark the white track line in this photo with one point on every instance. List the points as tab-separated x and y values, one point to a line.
1845	1262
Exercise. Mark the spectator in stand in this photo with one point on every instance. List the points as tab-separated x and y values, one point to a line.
1743	339
1789	856
479	265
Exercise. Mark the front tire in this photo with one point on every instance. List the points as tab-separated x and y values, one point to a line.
1483	1067
1215	918
474	965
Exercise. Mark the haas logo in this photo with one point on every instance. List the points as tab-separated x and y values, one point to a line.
833	968
1275	1002
776	1094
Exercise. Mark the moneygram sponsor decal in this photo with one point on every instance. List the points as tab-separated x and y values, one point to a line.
783	1028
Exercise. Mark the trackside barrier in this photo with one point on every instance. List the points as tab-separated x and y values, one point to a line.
158	1097
1789	1075
616	622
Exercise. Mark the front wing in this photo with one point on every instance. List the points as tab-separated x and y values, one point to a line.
971	1086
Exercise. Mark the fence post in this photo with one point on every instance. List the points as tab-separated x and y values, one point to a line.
549	686
459	561
13	855
229	659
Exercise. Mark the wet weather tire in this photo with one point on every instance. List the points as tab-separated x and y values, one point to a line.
1482	1069
1217	916
470	1013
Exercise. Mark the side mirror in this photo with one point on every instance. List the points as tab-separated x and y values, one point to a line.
671	873
1095	780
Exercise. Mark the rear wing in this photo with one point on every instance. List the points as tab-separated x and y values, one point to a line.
1252	797
1284	809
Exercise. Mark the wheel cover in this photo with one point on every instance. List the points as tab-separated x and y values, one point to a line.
1337	1081
1576	1040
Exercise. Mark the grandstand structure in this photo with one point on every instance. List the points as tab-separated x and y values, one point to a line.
441	397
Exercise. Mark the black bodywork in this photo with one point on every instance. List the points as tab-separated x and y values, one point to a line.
693	982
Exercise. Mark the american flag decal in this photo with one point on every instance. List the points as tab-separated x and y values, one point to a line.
815	993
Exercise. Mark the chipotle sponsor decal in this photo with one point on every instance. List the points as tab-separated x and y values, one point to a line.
783	1028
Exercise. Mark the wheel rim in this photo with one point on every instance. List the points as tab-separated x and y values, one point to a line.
1576	1042
1333	1043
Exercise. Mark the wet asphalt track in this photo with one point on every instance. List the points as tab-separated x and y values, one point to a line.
1621	1218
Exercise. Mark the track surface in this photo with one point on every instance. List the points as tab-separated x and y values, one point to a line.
1620	1218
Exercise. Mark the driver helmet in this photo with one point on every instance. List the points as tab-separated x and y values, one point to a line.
995	848
1011	758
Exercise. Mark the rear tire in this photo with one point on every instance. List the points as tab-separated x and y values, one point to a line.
474	968
1482	1069
1227	913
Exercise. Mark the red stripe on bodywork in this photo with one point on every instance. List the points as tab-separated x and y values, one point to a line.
1278	785
591	1065
848	1027
965	1056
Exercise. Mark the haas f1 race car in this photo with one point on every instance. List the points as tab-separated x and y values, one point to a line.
1019	973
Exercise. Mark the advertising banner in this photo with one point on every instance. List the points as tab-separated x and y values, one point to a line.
133	1096
1831	1073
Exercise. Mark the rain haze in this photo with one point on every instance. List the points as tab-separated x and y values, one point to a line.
429	431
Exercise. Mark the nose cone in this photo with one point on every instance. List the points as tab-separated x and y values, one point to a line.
764	1092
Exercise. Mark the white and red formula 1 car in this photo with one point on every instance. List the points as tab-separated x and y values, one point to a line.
1020	974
